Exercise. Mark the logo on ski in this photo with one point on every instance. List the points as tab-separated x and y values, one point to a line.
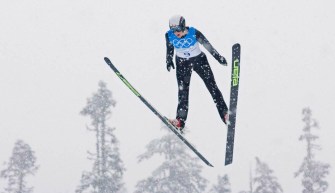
236	72
128	84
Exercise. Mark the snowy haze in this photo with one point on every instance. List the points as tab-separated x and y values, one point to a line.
51	57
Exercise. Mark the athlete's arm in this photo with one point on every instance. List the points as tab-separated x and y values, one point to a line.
169	49
169	53
203	41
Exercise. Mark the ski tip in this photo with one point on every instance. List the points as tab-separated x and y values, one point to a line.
237	45
106	59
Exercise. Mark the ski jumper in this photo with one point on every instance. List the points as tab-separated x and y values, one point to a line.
189	57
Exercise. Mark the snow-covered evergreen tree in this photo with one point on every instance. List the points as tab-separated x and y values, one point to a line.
250	183
107	173
313	172
264	180
179	172
21	164
223	185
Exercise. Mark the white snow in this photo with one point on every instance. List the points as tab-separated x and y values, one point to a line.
51	57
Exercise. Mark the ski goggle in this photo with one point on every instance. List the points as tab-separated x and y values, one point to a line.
176	28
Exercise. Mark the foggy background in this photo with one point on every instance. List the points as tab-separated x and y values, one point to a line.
51	57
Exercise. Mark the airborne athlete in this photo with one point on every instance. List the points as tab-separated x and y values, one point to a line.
185	40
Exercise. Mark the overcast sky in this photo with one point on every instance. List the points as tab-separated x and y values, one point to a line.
51	57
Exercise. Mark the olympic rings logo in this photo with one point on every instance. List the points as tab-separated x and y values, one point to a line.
182	43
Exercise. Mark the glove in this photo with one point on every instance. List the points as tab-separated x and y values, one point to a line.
169	64
222	61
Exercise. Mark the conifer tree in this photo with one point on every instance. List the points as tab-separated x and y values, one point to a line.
179	172
264	180
313	172
21	164
223	185
108	169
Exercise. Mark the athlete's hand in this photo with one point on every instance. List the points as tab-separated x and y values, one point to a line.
222	61
169	64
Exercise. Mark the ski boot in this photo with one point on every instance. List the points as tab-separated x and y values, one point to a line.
178	124
225	118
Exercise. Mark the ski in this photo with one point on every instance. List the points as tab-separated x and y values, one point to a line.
159	115
235	78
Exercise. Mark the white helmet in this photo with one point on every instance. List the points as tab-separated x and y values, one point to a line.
177	23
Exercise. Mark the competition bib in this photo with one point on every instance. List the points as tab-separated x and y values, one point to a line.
187	46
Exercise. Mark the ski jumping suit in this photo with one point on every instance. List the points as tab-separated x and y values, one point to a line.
188	57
